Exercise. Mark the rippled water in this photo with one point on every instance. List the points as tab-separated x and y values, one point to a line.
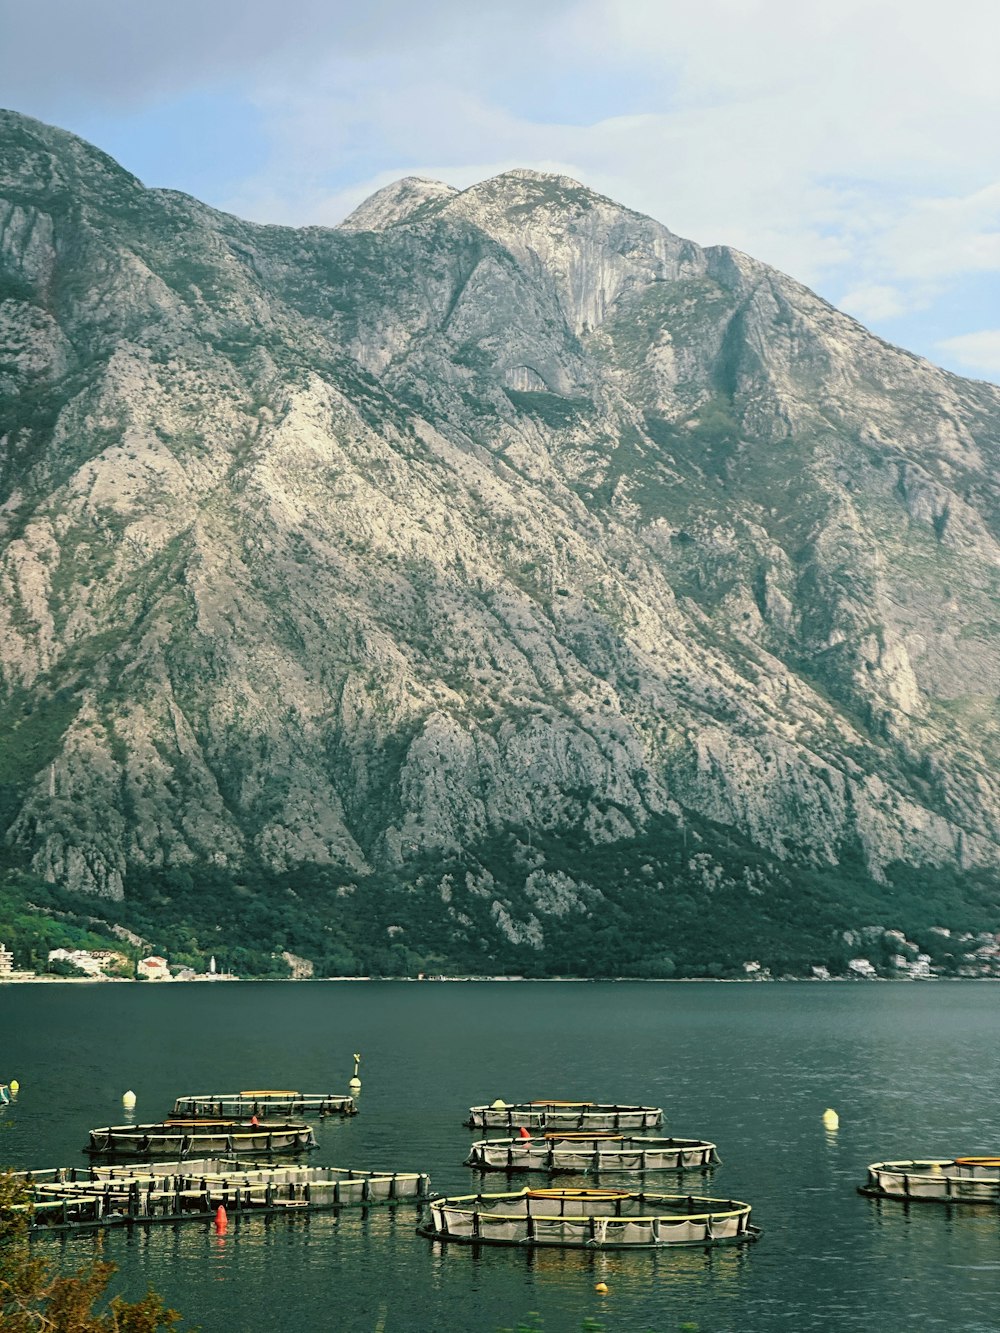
912	1070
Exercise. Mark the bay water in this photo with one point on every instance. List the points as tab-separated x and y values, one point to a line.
912	1069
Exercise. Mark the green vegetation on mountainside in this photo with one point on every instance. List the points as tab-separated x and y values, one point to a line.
657	905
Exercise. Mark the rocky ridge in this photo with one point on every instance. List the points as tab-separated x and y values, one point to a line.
489	512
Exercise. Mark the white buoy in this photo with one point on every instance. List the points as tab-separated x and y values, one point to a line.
128	1100
355	1083
831	1120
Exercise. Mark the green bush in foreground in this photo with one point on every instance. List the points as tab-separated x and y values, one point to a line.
34	1295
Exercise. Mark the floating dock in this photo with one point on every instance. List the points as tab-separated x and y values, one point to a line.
101	1196
179	1138
582	1116
588	1219
264	1103
585	1152
936	1180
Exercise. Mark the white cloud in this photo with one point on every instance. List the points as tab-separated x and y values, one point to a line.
873	302
977	351
842	142
120	53
944	237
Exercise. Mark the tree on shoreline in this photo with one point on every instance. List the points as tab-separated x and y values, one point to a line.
36	1298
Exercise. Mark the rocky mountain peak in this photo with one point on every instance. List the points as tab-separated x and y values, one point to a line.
584	246
39	157
398	203
518	179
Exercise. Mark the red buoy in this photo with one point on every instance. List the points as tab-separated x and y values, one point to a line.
221	1221
524	1133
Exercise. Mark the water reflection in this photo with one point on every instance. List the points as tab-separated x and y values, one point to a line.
221	1256
661	1271
965	1235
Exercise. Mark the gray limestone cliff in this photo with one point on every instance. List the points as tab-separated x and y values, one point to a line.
495	509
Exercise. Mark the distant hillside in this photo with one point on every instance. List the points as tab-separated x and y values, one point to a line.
497	578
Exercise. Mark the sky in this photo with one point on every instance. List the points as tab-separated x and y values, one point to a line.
853	144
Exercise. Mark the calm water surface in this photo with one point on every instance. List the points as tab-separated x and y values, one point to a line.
912	1069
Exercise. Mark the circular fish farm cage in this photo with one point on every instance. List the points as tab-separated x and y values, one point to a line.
936	1180
181	1138
268	1103
580	1116
588	1219
587	1152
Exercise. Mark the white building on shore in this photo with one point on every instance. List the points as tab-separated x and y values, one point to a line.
79	958
153	968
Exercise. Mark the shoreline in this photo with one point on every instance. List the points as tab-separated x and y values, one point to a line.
42	980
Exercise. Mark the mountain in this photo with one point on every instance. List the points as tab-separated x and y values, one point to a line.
498	557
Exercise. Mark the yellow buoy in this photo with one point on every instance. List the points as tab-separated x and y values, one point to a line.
831	1120
499	1105
14	1086
128	1100
602	1287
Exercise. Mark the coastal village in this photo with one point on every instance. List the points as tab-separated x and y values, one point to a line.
882	955
888	954
106	965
